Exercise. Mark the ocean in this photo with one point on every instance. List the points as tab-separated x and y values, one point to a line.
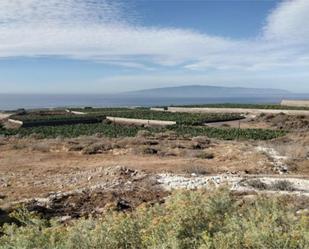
33	101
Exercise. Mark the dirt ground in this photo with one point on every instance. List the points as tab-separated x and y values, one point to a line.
73	177
32	168
27	172
248	122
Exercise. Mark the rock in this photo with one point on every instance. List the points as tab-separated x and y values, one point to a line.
65	218
284	168
123	205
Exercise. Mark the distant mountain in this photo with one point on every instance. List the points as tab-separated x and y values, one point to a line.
200	91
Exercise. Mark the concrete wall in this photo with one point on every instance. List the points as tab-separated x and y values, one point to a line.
299	103
235	110
75	112
14	121
157	109
140	121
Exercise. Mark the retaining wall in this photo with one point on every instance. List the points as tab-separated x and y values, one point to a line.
235	110
140	121
299	103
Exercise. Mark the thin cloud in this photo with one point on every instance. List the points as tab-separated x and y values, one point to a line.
103	30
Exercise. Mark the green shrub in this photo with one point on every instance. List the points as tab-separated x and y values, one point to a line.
189	219
283	185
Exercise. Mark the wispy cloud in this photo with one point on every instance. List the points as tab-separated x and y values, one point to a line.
289	22
103	31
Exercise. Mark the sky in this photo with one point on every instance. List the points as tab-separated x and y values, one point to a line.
110	46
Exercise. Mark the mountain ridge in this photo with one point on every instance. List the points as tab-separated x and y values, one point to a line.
208	91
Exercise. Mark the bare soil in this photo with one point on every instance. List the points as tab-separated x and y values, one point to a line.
88	175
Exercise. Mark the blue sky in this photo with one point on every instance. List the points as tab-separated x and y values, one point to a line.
104	46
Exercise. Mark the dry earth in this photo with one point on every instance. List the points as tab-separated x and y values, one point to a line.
82	176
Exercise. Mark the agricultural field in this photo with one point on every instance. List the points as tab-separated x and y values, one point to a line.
35	119
114	130
51	118
180	118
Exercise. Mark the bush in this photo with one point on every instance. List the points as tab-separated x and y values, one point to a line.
257	184
206	155
189	219
150	150
283	185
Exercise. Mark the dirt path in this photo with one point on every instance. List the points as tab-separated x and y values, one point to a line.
243	124
280	184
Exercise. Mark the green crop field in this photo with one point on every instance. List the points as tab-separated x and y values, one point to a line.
180	118
229	133
46	125
113	130
33	119
140	113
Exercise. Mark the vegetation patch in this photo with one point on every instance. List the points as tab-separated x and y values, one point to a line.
283	185
180	118
257	184
190	219
206	155
280	185
48	119
228	133
114	130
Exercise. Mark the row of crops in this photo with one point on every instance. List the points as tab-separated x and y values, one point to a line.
249	106
34	119
37	119
113	130
180	118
